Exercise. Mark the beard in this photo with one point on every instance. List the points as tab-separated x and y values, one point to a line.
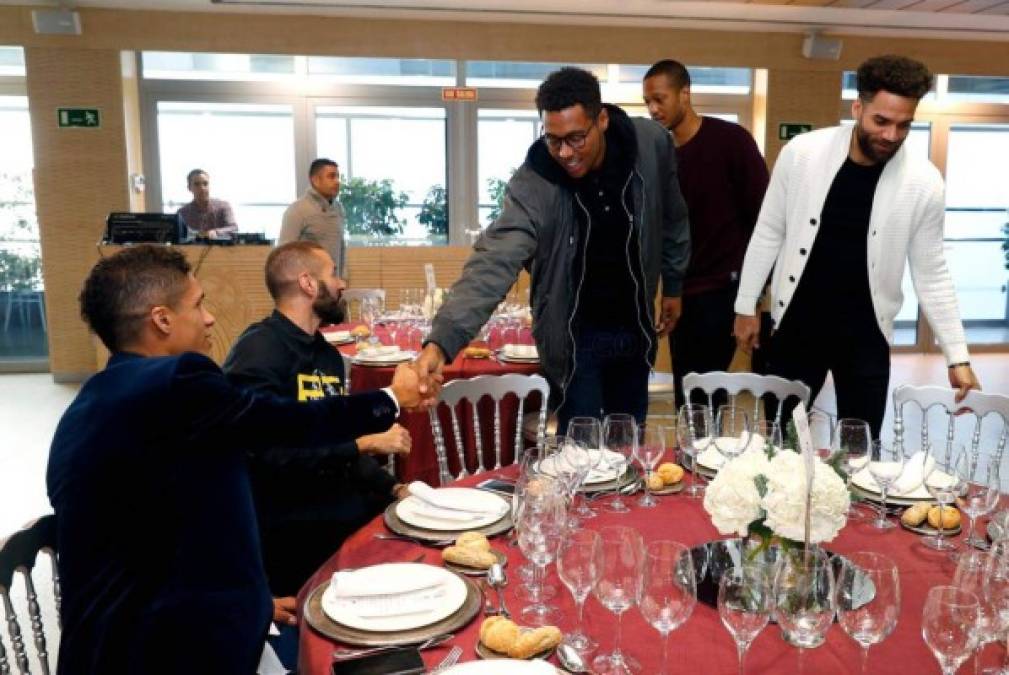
329	308
872	151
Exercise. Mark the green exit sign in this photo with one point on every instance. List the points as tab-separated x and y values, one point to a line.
789	130
79	117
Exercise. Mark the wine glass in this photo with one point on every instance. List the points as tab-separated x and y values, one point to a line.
868	599
579	565
540	527
617	590
886	464
804	597
971	575
998	592
619	437
668	591
945	480
528	474
949	624
732	431
693	431
768	433
821	431
587	432
852	441
745	602
980	497
648	450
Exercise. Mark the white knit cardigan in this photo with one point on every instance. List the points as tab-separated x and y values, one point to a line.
906	224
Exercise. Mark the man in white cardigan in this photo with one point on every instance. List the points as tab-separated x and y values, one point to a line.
846	207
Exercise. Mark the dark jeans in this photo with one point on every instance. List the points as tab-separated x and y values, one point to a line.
610	376
855	353
702	340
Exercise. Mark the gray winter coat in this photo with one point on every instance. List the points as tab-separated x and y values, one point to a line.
538	230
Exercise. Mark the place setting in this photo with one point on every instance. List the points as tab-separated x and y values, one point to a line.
515	353
437	515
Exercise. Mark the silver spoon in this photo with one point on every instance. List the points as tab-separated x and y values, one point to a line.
571	659
497	579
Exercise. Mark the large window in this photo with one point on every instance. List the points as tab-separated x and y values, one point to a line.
248	150
392	162
416	170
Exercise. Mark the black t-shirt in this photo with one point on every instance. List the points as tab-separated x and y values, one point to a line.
835	281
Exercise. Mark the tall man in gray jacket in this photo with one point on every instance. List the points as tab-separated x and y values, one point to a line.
596	216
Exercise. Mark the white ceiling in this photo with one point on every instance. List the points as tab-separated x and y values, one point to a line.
954	19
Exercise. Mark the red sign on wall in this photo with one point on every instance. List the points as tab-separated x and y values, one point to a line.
458	94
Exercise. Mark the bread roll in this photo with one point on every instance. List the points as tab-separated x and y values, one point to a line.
655	482
914	516
531	643
671	473
950	517
360	331
499	634
475	540
476	352
469	557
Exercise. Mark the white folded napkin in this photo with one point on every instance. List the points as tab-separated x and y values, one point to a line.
453	501
337	336
915	469
372	592
378	351
520	351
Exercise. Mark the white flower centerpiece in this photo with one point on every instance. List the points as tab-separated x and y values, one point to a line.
762	494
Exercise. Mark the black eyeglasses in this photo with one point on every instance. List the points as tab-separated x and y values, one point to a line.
575	140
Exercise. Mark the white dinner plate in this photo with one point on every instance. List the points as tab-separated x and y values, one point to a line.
601	474
451	595
711	457
383	359
864	480
502	667
339	337
413	511
504	358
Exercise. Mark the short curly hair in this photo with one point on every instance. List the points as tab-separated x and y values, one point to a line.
121	290
896	74
568	87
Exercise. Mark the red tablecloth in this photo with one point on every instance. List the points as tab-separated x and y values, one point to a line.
422	463
702	645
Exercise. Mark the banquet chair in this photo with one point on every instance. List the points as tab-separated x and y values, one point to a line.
472	390
355	296
977	405
736	383
18	554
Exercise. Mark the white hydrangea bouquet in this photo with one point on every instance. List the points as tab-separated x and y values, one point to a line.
762	494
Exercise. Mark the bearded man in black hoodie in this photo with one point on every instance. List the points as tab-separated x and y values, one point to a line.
596	217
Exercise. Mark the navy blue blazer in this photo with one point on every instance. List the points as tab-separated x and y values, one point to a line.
159	555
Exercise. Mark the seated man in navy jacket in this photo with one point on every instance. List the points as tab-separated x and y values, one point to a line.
159	556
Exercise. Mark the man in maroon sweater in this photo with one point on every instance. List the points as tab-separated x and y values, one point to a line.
723	178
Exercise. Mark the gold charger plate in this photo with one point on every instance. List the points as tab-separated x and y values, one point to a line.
320	621
475	571
397	525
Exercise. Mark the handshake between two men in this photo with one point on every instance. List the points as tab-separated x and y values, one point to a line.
416	385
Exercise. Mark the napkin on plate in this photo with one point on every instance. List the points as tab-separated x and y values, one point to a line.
337	336
371	592
378	351
520	351
457	501
915	469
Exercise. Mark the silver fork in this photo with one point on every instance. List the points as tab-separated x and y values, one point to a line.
450	660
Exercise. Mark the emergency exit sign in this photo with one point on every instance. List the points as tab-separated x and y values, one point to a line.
789	130
458	94
78	117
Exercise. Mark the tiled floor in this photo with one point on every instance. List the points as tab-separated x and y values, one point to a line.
32	405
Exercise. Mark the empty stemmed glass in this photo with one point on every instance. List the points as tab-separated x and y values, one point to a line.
998	596
732	431
619	437
804	597
945	480
868	599
579	565
973	569
886	464
949	626
540	526
617	591
852	442
648	450
980	497
745	602
668	591
588	432
768	434
693	432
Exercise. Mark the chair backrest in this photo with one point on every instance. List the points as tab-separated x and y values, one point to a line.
497	387
736	383
17	554
977	405
354	296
